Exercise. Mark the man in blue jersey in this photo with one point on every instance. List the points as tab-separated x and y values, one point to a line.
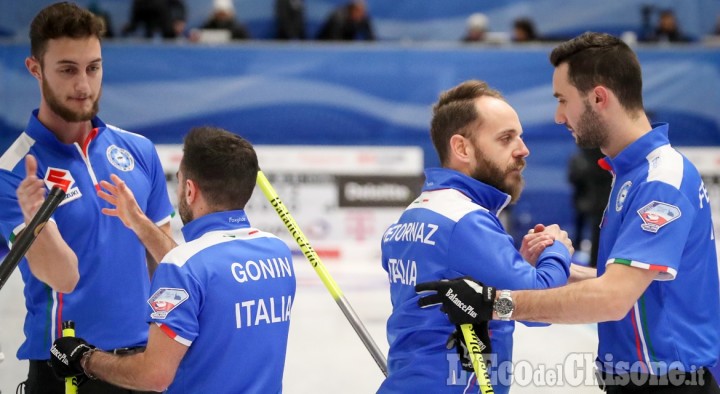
656	291
219	311
453	229
85	266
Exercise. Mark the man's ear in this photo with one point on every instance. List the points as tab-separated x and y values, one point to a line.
600	96
460	148
191	191
33	66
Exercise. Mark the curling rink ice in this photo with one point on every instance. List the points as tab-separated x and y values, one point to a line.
326	356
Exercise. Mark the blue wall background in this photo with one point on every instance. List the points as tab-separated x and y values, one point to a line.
422	19
365	94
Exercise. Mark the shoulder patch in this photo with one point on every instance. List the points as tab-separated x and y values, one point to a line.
622	195
165	300
120	158
657	214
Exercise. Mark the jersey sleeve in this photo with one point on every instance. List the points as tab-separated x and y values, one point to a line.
175	302
654	230
159	209
483	250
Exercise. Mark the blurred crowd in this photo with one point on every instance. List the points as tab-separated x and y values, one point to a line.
350	21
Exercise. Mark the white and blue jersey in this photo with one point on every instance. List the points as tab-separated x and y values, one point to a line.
227	294
452	230
658	218
106	304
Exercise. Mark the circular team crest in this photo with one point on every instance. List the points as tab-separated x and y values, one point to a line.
622	195
120	158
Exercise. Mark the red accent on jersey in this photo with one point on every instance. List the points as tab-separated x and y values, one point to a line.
57	177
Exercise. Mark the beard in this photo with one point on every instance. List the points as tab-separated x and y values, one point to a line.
184	211
503	180
590	131
67	114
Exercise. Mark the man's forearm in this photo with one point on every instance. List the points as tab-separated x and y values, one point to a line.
130	372
157	240
579	273
605	298
52	261
583	302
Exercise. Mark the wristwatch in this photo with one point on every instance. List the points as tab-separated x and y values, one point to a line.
504	305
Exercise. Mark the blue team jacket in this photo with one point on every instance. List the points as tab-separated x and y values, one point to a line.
451	230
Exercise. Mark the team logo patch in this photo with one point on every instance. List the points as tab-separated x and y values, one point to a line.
64	180
165	300
657	214
622	195
120	158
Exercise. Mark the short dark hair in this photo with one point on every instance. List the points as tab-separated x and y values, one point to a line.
455	111
60	20
601	59
222	164
526	25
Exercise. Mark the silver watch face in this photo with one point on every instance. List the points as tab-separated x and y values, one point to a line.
504	306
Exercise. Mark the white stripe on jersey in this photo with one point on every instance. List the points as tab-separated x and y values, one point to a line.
53	316
641	333
16	152
447	202
182	253
119	130
164	221
665	164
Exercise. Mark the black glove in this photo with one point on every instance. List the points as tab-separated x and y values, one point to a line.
457	340
66	354
464	300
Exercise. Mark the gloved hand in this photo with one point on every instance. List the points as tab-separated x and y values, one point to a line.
66	354
464	300
457	340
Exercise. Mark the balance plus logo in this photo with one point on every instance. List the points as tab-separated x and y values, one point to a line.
64	180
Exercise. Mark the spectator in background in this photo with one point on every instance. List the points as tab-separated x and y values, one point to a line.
156	17
667	29
477	26
95	8
178	17
591	190
524	30
290	19
717	26
223	18
348	23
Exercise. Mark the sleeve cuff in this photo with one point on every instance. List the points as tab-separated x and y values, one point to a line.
172	335
665	273
164	220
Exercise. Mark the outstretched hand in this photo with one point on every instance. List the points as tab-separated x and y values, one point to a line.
464	300
119	195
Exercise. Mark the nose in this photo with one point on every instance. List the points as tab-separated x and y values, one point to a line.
82	83
560	116
522	150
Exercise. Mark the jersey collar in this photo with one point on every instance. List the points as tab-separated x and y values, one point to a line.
41	134
225	220
480	193
636	153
